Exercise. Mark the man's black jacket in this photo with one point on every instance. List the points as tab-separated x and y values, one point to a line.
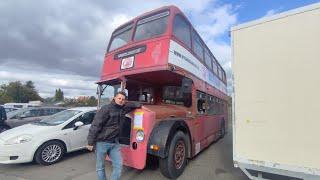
106	124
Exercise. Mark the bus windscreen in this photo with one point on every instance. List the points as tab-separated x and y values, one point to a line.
151	26
121	37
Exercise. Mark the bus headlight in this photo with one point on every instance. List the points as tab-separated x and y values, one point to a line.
140	135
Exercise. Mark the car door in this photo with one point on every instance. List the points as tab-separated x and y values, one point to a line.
77	138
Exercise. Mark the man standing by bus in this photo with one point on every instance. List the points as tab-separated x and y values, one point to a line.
104	134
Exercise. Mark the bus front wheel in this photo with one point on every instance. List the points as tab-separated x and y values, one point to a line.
173	165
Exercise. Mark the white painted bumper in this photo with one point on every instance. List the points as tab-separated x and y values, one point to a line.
24	152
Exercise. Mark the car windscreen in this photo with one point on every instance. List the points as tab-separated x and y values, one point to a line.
14	114
151	26
121	37
60	117
10	109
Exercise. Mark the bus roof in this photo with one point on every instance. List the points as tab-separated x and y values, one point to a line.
170	7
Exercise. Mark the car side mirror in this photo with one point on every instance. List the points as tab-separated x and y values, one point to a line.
77	125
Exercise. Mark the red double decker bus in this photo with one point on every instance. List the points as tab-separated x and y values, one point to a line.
159	59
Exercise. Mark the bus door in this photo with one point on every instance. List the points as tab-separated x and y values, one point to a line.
213	121
200	122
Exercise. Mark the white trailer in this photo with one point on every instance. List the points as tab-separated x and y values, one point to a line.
276	96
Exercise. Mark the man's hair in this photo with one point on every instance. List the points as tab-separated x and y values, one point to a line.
122	93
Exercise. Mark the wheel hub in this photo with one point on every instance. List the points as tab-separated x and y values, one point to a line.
179	154
51	153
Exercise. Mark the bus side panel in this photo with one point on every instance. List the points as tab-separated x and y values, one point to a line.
208	127
181	57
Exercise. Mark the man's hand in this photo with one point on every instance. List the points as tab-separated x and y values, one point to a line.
90	148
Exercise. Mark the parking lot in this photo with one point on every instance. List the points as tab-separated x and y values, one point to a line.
213	163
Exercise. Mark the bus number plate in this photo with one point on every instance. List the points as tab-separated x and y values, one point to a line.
127	62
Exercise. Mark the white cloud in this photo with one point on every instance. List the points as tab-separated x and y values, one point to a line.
118	20
56	28
191	5
214	24
47	82
270	13
63	43
218	22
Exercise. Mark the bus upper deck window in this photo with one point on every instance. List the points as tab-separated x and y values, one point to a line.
151	26
121	37
181	30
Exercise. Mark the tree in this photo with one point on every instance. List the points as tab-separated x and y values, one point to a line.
81	101
30	85
92	101
18	92
4	97
59	95
14	90
31	94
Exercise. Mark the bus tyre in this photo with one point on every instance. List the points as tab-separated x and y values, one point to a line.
49	153
173	165
222	129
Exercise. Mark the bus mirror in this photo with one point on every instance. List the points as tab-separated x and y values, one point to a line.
186	86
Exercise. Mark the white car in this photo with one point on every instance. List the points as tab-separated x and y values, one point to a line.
48	140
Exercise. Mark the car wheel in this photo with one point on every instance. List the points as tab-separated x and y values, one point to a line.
49	153
173	165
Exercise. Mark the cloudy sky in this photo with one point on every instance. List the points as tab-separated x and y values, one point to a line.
61	43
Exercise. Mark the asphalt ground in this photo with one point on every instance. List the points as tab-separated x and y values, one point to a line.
215	162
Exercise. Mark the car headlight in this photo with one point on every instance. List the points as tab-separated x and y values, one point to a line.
140	135
18	139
